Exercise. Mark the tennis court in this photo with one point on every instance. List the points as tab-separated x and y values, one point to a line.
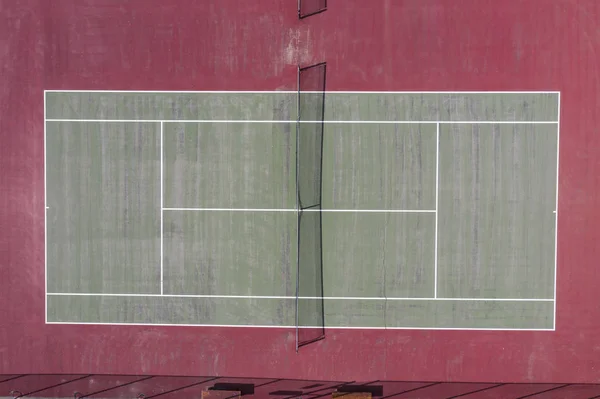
438	210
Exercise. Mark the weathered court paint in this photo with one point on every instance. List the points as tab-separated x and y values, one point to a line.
487	235
393	164
171	106
229	165
496	211
421	45
103	207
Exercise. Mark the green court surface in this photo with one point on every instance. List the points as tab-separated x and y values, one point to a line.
438	209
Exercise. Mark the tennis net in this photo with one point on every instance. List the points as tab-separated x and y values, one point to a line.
310	315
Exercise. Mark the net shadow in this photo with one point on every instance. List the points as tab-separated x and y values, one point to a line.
309	140
310	304
310	312
306	8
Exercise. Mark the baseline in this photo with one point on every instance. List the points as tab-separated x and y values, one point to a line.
268	121
294	92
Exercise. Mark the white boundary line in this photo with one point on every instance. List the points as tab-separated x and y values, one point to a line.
556	209
437	205
284	121
339	122
293	327
329	298
298	210
161	208
45	223
294	92
327	122
305	210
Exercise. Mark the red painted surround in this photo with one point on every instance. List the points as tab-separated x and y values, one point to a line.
256	45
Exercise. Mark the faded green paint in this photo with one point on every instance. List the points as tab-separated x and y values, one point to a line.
171	106
229	253
103	199
439	314
496	212
379	166
379	254
281	312
497	186
436	107
229	165
170	310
